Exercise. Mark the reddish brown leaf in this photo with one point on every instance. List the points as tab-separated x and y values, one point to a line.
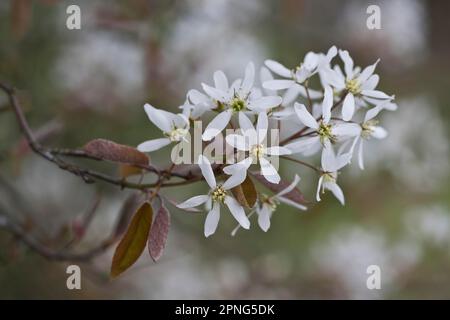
295	195
111	151
133	242
245	193
158	233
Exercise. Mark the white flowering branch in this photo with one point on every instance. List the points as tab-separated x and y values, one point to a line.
331	121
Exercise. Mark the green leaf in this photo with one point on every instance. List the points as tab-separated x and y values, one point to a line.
133	242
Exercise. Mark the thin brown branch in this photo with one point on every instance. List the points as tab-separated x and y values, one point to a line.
303	163
89	176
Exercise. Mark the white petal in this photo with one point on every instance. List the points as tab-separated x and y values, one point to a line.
235	85
348	63
278	68
237	211
249	78
327	104
235	179
290	95
268	171
292	203
152	145
193	202
348	108
207	172
242	165
379	133
371	83
278	84
265	103
220	80
333	78
313	94
372	113
217	125
261	127
302	74
197	97
212	220
278	151
264	214
360	155
328	159
336	190
238	141
367	72
319	185
346	129
290	187
331	53
303	144
343	159
305	117
158	117
375	94
266	75
388	105
247	129
214	93
244	123
313	149
311	60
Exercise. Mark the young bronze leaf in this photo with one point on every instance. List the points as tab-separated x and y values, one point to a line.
295	195
158	233
245	193
133	242
111	151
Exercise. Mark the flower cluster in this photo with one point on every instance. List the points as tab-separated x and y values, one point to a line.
332	120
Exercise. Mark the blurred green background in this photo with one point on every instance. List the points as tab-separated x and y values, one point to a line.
77	85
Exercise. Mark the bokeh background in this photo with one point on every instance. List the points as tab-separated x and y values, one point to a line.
90	83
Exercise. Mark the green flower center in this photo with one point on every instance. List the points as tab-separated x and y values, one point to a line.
329	177
353	86
367	128
220	106
325	133
238	104
176	134
218	194
258	151
270	201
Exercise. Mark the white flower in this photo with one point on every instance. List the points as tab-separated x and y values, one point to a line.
218	194
312	64
202	102
252	141
174	126
239	98
369	129
268	205
330	166
358	84
325	130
